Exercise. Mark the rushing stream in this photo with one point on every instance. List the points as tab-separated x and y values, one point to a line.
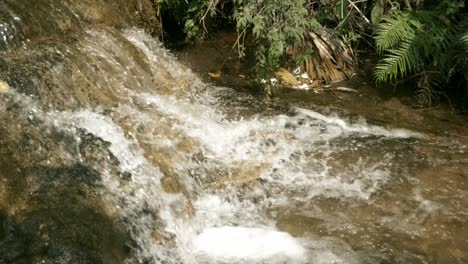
192	177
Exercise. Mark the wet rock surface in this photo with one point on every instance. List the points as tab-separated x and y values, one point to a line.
29	22
111	151
51	207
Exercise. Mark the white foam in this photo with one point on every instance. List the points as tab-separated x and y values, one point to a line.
230	244
274	140
359	128
142	192
130	155
227	225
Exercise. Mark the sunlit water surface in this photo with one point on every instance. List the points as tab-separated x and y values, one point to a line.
202	182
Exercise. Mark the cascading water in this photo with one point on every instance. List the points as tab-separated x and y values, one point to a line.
193	180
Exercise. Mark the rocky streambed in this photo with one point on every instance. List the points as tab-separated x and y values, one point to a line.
113	151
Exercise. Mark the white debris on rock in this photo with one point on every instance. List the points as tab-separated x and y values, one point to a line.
303	86
346	89
297	71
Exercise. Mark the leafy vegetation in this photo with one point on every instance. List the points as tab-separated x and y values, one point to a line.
422	43
282	31
417	40
276	25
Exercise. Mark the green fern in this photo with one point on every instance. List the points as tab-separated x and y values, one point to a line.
464	34
398	62
411	41
428	45
393	30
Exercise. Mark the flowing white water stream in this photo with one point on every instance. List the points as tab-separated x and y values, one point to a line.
283	159
226	227
112	151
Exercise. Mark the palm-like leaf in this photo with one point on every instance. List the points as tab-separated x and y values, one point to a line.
397	63
464	35
393	30
423	43
409	40
464	28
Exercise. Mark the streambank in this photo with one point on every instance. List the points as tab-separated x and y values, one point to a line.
380	104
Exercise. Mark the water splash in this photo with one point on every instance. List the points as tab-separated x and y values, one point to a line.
235	173
229	244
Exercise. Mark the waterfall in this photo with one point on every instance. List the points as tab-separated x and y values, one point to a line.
180	176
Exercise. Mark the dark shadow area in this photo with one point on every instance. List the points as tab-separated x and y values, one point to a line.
51	208
61	221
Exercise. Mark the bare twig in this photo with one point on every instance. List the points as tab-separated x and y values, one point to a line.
202	19
359	11
240	41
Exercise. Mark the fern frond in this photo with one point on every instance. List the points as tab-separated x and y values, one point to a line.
433	44
394	29
398	62
464	39
410	41
463	33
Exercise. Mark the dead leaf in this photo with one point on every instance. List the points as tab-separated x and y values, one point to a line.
315	84
286	78
332	60
214	74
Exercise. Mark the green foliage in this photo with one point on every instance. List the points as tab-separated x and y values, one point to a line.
421	43
277	28
378	10
196	15
422	39
464	33
394	29
411	40
275	25
464	38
